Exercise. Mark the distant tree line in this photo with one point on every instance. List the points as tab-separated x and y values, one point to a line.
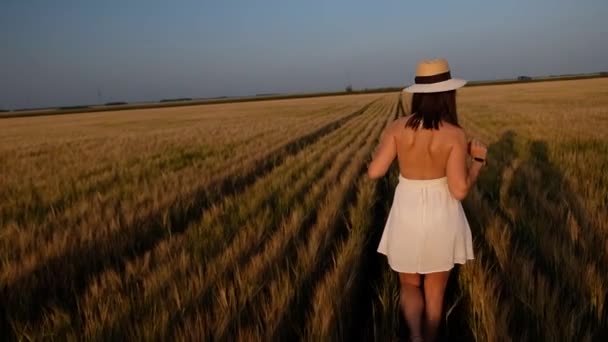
268	94
176	99
73	107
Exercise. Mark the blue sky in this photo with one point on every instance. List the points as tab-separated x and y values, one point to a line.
82	51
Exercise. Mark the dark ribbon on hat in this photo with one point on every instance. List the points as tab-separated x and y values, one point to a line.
433	79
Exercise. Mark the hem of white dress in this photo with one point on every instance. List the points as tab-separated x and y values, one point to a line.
459	261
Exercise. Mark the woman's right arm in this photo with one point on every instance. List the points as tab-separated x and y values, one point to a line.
460	180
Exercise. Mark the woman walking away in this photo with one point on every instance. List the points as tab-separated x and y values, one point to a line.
426	231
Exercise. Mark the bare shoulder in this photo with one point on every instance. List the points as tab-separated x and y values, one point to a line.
454	134
395	126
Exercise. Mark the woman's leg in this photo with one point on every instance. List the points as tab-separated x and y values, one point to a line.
434	289
412	302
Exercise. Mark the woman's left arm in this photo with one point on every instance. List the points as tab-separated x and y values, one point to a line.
384	155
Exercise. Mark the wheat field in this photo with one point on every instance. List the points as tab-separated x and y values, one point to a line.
255	221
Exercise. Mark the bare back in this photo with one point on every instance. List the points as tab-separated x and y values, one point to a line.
423	153
426	154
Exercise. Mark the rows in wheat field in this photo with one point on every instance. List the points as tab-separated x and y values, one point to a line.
93	249
250	239
313	257
336	296
163	246
131	177
46	174
291	272
127	192
244	213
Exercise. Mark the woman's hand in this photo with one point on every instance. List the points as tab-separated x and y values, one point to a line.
477	149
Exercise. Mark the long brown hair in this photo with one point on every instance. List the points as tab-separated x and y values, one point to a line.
432	108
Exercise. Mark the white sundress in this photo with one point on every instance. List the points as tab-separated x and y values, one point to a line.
426	229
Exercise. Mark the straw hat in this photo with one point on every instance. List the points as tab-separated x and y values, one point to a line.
434	76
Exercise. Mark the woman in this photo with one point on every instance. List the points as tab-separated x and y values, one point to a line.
427	232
